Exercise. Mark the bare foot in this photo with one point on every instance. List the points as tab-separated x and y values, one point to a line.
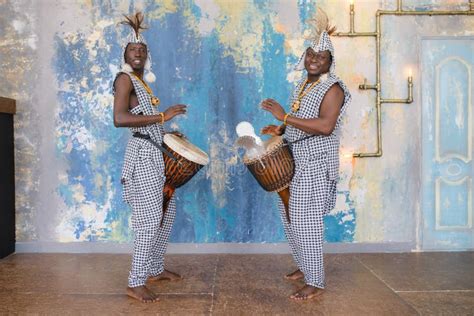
295	275
142	293
306	292
166	275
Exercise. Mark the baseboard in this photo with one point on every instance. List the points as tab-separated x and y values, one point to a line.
192	248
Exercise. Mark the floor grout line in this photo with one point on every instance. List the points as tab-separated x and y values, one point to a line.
213	286
435	291
376	275
112	294
387	285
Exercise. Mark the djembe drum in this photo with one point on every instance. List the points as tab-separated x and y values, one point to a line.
274	169
189	160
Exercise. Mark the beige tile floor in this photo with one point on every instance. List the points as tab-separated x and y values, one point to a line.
357	284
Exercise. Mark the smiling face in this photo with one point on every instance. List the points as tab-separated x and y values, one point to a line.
136	55
318	63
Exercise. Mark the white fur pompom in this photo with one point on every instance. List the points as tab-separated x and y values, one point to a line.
127	68
150	77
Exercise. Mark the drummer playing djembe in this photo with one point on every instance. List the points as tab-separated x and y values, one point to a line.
311	127
143	174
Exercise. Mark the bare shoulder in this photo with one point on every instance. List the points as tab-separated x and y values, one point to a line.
334	96
335	91
123	82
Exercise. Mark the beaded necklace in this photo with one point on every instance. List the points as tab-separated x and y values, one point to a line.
154	100
301	94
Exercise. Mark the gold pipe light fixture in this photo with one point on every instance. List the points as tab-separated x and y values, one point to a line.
378	85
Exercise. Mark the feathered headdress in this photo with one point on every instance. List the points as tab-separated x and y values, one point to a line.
135	22
321	30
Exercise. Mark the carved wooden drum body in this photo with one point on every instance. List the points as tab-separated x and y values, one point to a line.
274	169
189	160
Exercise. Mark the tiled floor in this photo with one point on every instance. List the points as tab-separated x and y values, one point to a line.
357	284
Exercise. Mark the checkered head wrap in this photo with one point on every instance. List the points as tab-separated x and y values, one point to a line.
321	41
135	22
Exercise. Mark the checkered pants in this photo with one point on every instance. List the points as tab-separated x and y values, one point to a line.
310	200
149	249
151	240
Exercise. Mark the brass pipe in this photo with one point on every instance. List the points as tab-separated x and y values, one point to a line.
407	100
430	13
355	34
352	13
395	101
366	86
378	104
368	155
410	89
377	86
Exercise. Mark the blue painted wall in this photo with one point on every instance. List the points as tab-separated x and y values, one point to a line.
223	203
222	58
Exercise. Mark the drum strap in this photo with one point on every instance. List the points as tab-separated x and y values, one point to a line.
161	148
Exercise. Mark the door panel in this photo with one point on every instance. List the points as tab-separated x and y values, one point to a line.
447	140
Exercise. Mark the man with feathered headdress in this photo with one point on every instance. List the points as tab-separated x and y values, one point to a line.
311	127
143	173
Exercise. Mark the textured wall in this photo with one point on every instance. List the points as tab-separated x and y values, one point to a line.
220	57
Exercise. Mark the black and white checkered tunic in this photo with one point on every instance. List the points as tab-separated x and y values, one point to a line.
313	188
143	179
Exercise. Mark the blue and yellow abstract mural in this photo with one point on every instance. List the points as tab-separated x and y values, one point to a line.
221	58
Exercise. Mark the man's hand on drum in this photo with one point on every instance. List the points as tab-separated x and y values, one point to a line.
174	110
273	130
273	107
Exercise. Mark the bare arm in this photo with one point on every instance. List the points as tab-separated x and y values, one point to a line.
123	118
328	113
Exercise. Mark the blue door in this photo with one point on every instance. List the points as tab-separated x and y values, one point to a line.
447	143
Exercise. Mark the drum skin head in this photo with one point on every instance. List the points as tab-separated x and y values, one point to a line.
270	145
186	149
